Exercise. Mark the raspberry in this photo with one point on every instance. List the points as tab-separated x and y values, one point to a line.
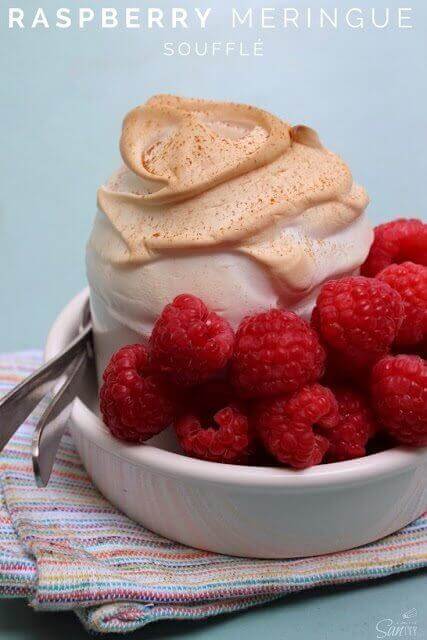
189	342
394	242
356	425
135	405
224	438
275	352
410	280
286	425
399	397
358	318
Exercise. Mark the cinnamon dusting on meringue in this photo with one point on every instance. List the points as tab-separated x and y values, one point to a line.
200	174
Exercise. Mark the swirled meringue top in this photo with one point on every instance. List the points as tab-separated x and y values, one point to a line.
201	174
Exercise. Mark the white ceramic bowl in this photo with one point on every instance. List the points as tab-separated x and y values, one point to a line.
244	511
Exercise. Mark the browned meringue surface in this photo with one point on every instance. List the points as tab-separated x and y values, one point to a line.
202	174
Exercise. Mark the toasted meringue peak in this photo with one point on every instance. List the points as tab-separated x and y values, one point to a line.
200	174
182	147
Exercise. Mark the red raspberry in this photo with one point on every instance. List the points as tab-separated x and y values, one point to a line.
358	318
134	404
189	342
397	241
348	439
275	352
410	280
399	396
286	425
224	438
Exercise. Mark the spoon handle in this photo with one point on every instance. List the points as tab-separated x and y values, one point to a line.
17	405
51	426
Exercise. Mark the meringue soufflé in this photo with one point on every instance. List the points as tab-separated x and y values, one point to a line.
224	201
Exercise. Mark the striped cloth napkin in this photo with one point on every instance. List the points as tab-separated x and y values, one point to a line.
66	547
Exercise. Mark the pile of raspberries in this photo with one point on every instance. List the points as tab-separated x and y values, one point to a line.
281	390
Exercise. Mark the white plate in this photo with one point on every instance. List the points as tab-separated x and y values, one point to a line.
244	511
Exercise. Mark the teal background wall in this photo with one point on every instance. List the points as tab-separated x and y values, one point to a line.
64	93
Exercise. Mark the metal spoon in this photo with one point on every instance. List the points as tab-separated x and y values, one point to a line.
19	403
51	426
